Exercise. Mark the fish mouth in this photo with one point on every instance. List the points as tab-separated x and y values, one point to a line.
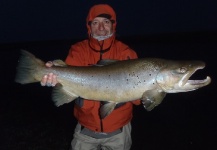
180	80
187	84
186	77
190	85
198	83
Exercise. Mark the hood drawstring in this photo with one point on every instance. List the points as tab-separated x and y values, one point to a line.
101	51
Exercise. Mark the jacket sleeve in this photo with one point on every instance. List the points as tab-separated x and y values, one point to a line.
128	53
136	102
75	56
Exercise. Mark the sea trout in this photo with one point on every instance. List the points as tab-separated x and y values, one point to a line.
147	79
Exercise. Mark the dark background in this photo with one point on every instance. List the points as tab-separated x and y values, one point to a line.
36	20
166	29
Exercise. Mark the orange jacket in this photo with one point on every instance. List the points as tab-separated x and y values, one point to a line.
81	54
89	52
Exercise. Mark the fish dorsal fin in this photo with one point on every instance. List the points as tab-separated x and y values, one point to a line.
106	109
105	62
60	96
59	62
152	98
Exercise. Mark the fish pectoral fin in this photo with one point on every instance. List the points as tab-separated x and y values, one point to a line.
152	98
60	96
106	109
59	62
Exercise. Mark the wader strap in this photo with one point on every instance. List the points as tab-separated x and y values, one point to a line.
99	135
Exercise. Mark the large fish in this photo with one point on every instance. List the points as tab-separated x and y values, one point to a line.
148	79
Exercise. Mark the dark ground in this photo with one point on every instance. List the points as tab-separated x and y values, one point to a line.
184	121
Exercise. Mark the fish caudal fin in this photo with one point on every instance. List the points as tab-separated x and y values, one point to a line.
26	68
106	109
61	96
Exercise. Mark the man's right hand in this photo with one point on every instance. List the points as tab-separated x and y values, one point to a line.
49	79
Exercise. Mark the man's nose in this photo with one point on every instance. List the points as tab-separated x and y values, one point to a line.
101	26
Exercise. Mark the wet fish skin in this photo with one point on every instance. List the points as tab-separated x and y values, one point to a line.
148	79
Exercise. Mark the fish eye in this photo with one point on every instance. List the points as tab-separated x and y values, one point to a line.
182	70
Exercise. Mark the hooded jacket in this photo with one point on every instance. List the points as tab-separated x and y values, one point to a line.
89	52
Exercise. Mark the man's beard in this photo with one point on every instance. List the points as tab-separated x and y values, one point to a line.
100	38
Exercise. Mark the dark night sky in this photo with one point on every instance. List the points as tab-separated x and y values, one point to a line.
38	20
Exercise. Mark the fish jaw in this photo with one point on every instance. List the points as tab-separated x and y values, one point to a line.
191	85
175	78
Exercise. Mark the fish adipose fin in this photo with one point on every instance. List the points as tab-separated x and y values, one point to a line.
152	98
61	96
106	109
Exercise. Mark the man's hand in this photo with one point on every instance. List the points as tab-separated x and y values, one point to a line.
49	79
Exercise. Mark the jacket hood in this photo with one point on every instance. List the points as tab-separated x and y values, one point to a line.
101	10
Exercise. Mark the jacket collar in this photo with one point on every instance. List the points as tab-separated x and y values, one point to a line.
101	46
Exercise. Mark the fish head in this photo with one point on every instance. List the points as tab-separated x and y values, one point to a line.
174	76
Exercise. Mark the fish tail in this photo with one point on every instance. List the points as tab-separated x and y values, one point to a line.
26	68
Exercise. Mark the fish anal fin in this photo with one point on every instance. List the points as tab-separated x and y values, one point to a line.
106	109
152	98
60	96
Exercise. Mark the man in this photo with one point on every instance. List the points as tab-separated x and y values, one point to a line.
92	132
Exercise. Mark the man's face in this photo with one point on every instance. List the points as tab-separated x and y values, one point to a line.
101	26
